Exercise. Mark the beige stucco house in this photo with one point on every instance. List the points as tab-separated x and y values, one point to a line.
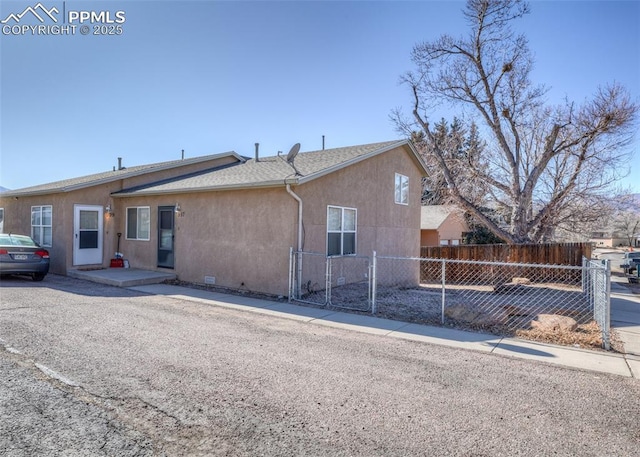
441	225
608	240
226	219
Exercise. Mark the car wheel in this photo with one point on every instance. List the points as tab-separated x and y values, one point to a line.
38	276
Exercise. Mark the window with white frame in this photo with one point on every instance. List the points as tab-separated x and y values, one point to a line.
1	220
402	189
138	223
41	224
341	230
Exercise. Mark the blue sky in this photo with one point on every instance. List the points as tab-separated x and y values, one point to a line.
210	77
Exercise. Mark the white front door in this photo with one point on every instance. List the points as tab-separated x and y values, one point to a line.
87	236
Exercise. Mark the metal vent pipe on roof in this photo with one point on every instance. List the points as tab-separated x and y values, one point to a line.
257	148
119	163
323	142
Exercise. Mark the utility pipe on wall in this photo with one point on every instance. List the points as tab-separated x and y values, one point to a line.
299	200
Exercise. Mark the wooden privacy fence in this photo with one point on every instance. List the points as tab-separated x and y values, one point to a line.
546	254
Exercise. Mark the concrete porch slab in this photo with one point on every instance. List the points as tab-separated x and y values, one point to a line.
122	277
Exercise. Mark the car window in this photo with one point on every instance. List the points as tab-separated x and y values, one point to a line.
16	240
22	241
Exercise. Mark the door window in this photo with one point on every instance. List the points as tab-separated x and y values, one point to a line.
88	229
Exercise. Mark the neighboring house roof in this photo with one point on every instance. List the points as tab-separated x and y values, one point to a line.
433	216
607	235
68	185
271	171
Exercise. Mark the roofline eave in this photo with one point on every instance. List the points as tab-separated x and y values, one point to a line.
187	190
109	179
355	160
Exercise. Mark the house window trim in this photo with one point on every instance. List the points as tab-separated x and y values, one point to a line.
399	197
342	231
126	226
40	227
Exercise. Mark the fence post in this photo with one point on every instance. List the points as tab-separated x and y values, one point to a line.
595	276
373	281
607	306
444	283
584	274
327	282
290	274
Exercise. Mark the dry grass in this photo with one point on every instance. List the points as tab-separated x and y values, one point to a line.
586	336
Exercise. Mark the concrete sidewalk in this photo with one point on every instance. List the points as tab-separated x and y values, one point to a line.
627	315
625	320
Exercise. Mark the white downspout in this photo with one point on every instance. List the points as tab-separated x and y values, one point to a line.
299	275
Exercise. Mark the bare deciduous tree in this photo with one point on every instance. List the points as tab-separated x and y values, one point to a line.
543	167
626	221
628	224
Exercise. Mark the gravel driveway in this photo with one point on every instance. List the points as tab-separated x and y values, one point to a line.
95	370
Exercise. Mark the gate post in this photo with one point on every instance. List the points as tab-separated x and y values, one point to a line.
584	274
444	283
291	262
607	305
373	281
327	282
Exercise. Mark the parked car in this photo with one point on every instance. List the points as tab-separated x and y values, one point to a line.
20	255
630	260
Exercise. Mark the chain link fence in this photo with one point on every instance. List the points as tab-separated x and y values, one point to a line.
493	296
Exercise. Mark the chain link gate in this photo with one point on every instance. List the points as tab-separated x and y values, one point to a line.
321	280
596	285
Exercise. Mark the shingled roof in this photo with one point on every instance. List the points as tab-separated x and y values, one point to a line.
68	185
246	173
271	171
433	216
